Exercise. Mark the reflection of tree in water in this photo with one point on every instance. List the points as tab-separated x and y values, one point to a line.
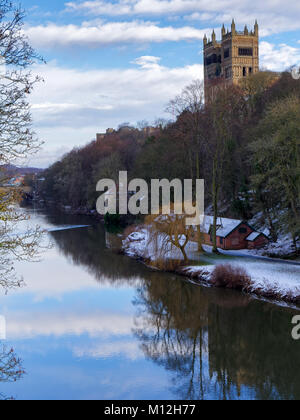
88	247
172	335
216	343
10	367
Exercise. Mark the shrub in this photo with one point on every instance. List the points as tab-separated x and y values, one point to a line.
231	277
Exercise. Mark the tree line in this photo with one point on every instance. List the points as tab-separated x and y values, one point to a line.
245	144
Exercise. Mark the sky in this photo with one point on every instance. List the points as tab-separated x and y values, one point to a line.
115	61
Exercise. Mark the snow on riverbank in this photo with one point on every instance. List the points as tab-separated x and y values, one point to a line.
138	244
269	277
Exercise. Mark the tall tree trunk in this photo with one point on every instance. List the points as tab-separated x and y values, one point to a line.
215	189
199	240
183	251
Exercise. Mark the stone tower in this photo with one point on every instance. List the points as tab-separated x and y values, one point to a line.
228	61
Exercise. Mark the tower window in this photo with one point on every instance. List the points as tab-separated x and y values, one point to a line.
244	72
246	52
226	53
218	70
250	70
209	61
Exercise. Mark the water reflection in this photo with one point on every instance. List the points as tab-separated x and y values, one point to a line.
97	251
218	344
11	369
107	327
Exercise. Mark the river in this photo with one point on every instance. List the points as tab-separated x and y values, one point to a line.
93	324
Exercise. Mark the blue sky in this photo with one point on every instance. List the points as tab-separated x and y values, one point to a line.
122	60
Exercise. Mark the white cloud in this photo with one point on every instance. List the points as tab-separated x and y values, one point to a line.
273	15
147	62
128	349
96	324
99	34
71	106
278	58
44	157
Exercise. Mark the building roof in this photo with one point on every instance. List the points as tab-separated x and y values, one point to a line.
253	236
224	226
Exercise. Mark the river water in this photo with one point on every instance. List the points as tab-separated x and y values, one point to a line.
93	324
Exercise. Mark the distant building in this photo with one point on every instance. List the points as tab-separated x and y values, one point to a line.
15	182
232	234
101	136
150	131
126	129
228	61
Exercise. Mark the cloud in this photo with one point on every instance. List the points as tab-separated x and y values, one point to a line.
147	62
273	15
72	105
278	58
99	34
95	324
44	157
128	349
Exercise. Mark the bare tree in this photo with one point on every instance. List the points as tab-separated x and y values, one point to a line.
188	109
225	116
169	233
17	139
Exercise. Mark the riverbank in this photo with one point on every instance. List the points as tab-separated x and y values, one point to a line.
271	278
277	280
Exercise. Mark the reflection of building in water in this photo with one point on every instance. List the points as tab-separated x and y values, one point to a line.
2	328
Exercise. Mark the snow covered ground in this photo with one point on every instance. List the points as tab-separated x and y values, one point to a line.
283	277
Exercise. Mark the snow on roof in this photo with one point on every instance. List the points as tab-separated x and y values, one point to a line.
224	226
253	236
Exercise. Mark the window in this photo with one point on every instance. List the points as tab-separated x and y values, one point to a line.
244	72
208	61
213	59
250	70
226	53
227	72
221	241
248	52
243	230
218	70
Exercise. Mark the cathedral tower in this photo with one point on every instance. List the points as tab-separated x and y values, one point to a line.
228	61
